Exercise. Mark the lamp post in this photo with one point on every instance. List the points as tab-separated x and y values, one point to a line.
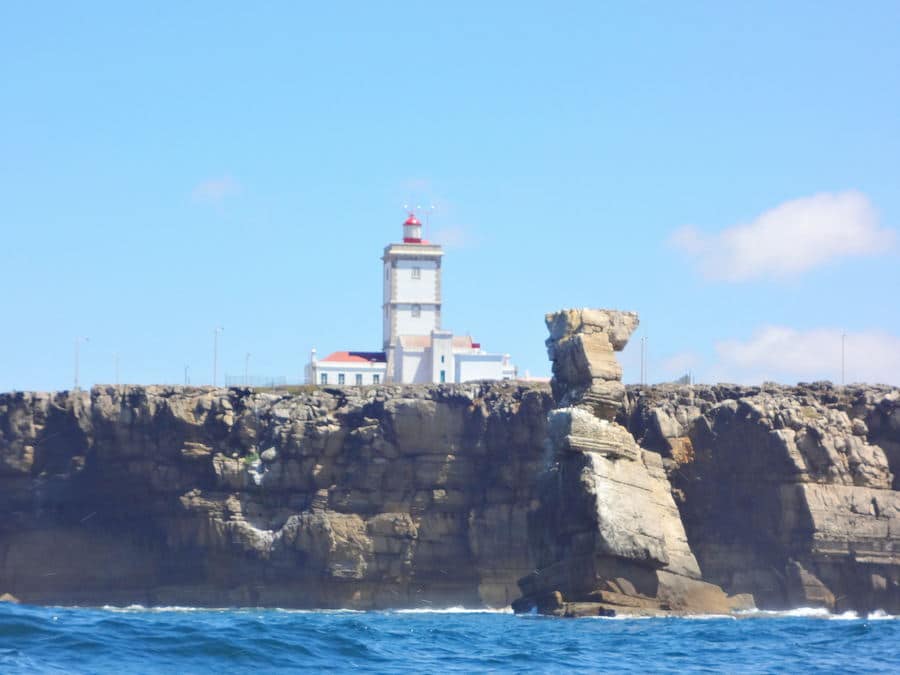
246	367
216	332
116	362
78	342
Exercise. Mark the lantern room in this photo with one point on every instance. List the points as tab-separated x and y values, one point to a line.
412	230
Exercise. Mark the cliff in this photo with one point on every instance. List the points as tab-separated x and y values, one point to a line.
379	497
588	498
787	493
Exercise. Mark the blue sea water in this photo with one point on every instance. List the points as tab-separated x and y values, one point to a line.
183	640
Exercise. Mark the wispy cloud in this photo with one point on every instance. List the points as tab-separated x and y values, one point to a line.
789	239
455	236
785	354
215	190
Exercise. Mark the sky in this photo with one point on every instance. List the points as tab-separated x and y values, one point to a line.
730	171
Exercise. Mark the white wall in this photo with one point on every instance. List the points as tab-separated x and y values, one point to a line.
415	367
479	367
442	346
407	324
423	289
334	368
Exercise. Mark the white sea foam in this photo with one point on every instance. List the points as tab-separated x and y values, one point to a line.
819	613
798	612
844	616
162	608
811	612
453	610
288	610
880	615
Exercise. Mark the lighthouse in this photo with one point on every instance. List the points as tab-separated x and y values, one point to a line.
415	346
412	286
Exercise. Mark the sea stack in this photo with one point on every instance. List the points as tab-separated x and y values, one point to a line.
605	535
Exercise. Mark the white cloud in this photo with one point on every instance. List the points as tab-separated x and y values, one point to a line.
789	239
787	355
215	190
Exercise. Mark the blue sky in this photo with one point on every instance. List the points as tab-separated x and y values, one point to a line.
728	170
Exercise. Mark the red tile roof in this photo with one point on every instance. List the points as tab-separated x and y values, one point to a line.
356	357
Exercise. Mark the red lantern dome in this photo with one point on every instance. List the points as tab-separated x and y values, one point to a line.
412	230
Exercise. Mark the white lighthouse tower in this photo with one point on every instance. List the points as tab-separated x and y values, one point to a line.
412	286
415	347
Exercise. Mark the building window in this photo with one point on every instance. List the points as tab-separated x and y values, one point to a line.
416	311
340	378
416	272
359	379
376	379
323	378
442	358
443	376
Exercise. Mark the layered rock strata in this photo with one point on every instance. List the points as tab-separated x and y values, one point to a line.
788	493
362	498
605	535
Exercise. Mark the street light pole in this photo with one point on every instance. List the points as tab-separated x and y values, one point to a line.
78	341
116	360
246	367
216	332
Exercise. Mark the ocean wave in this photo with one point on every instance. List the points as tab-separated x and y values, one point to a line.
453	610
797	612
127	609
880	615
136	638
819	613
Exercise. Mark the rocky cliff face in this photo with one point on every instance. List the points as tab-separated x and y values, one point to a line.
598	499
788	493
379	497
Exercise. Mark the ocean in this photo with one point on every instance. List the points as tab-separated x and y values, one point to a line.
186	640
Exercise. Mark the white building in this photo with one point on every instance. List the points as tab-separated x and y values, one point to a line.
415	348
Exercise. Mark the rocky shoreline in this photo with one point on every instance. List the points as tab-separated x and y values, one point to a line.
585	498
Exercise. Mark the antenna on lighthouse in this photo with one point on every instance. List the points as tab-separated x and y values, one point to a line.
428	212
